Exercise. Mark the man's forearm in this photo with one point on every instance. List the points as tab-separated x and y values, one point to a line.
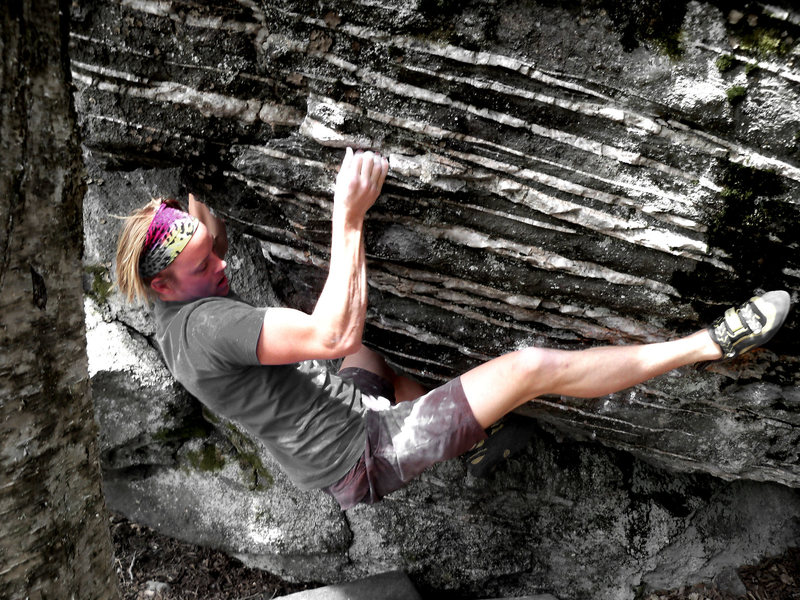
342	305
335	327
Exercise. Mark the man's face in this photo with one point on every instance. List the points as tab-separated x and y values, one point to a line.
196	273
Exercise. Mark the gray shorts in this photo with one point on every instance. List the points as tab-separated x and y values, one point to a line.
405	439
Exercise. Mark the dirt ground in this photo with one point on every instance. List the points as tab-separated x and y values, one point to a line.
150	566
153	567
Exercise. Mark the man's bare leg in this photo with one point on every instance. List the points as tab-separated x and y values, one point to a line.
499	386
404	387
495	388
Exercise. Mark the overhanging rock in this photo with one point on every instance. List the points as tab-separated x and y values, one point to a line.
559	176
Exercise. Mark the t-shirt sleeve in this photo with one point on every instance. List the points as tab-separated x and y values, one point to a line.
225	331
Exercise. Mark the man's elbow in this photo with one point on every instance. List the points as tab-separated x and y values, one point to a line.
337	346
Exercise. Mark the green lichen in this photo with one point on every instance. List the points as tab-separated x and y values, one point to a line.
100	285
750	211
259	477
751	69
244	451
753	225
725	63
765	42
669	43
763	35
208	459
656	23
211	417
736	94
181	434
742	187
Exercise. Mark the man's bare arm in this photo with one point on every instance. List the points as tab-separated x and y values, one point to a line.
334	329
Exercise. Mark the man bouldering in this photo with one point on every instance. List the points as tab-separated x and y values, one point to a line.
365	431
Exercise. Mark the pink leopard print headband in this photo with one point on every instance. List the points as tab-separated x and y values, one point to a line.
169	232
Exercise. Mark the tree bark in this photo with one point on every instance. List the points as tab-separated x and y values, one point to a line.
53	521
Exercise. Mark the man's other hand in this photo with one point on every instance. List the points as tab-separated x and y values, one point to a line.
215	226
359	182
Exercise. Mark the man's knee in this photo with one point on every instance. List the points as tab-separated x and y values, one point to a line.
367	359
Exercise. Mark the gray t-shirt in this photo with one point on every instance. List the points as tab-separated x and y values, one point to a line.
309	419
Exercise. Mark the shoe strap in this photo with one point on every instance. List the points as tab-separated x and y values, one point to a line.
745	320
753	317
734	323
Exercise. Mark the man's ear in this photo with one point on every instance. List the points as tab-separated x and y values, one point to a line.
161	285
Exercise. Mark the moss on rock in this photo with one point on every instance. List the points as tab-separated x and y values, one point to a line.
99	283
248	458
208	458
725	63
736	94
753	226
655	23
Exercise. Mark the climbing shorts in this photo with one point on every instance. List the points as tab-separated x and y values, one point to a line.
405	438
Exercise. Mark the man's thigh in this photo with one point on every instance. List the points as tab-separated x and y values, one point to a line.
407	438
412	436
369	360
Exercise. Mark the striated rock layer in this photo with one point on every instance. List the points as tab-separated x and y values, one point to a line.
549	184
562	174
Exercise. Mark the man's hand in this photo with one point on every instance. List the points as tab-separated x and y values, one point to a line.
215	226
359	182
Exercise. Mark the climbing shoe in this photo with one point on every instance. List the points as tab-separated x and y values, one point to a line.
506	438
751	325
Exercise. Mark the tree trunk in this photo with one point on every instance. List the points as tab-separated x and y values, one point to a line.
53	521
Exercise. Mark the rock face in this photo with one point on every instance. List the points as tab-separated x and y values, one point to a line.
564	517
562	174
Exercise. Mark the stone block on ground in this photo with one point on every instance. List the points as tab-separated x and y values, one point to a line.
537	597
393	585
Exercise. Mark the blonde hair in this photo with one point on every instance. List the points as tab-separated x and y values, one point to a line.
129	249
